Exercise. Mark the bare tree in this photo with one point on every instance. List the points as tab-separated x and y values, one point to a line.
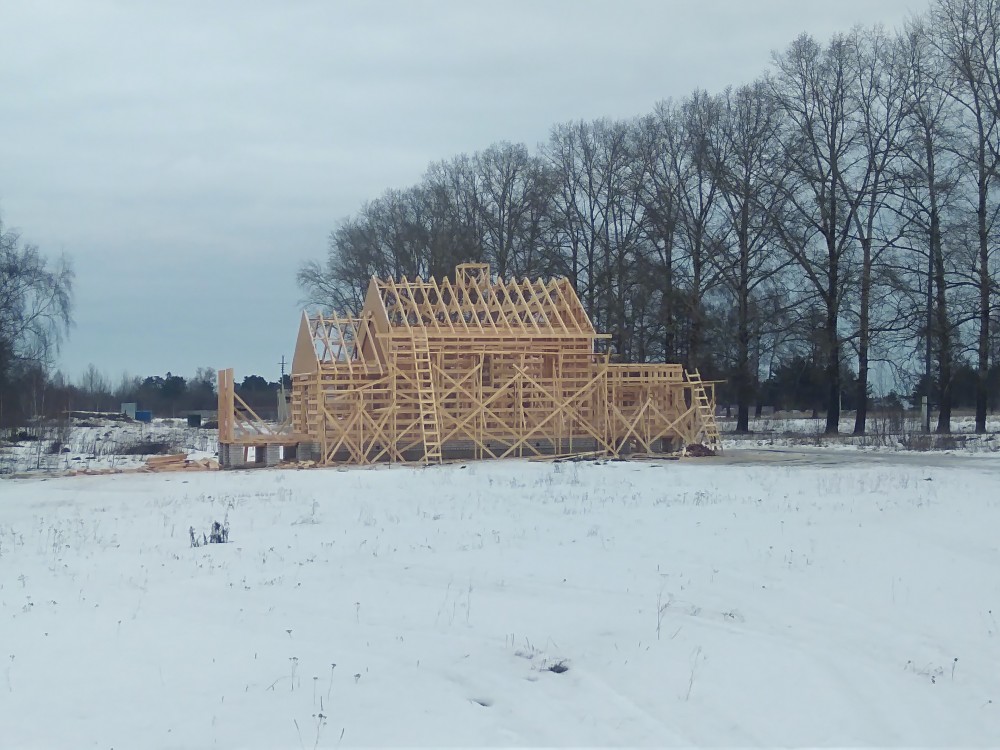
878	104
661	208
751	180
404	233
695	165
967	34
511	206
459	179
812	86
578	216
623	237
36	297
354	255
95	387
927	183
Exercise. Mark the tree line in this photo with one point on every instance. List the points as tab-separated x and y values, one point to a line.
164	395
836	217
52	396
36	301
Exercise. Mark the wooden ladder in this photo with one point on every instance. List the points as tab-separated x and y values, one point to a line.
708	427
428	403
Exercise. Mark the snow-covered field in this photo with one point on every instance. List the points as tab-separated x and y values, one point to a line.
101	444
877	421
883	433
704	602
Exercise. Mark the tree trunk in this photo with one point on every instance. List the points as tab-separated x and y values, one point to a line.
743	375
694	339
743	419
833	307
982	375
833	377
832	345
669	344
745	378
983	350
942	326
864	337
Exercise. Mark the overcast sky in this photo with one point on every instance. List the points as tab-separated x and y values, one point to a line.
188	156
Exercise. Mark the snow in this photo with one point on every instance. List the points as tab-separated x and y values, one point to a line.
877	422
883	434
103	444
703	602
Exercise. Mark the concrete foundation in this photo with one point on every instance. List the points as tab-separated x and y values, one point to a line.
235	456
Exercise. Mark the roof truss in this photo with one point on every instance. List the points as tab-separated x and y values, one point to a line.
474	304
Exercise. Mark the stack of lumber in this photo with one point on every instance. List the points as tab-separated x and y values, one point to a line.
178	462
296	465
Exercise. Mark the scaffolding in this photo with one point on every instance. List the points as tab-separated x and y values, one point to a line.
468	369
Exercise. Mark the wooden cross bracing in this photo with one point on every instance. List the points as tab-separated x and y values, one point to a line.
476	368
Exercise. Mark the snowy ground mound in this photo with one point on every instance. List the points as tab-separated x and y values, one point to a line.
505	603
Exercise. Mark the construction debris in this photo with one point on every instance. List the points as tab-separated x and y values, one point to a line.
169	460
152	465
697	450
296	465
178	462
90	472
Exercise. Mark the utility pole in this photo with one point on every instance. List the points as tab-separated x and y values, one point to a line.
282	400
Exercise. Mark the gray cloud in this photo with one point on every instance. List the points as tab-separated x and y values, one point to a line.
189	156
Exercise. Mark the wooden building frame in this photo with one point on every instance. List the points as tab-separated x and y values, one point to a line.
471	369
